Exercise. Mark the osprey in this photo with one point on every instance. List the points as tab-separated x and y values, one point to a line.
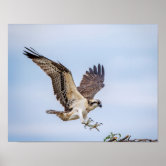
77	101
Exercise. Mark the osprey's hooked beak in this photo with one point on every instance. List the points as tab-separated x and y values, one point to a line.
99	104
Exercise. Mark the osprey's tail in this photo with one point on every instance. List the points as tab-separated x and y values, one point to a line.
61	114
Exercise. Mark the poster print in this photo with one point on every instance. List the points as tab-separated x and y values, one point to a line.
82	83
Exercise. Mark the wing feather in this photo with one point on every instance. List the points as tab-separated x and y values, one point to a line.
99	70
62	80
95	70
92	82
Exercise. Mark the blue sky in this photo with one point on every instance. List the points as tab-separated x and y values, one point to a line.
129	54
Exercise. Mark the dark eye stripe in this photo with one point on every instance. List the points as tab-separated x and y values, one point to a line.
94	102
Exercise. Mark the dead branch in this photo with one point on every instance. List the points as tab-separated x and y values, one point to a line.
117	138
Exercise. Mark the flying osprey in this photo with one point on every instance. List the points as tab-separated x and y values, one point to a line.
77	101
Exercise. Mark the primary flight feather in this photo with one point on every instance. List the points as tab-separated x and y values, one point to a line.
77	101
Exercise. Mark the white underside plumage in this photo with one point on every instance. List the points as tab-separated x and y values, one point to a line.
79	111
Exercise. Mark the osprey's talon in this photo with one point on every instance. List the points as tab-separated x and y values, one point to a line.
91	120
88	123
97	129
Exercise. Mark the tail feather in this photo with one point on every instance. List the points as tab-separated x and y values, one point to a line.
60	114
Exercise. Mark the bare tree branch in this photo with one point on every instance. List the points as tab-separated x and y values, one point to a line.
117	138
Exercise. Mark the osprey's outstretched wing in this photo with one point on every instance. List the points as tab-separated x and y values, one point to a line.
62	81
92	82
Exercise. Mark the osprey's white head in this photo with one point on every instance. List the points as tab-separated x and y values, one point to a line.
93	103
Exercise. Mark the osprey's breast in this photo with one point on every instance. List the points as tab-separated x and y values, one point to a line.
79	104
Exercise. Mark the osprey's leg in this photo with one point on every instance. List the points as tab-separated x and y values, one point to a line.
88	121
85	120
81	117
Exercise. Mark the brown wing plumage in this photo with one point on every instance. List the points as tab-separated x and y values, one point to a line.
62	81
92	82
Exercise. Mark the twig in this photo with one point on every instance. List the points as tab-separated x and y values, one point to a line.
127	137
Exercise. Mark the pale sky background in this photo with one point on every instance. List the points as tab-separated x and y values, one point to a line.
129	54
